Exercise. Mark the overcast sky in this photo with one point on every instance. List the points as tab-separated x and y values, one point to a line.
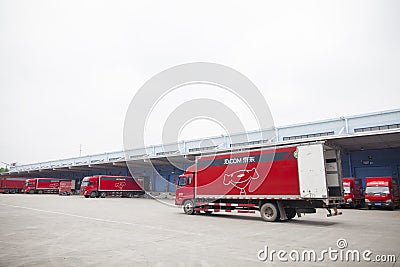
69	69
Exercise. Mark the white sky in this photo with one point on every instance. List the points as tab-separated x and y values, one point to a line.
69	69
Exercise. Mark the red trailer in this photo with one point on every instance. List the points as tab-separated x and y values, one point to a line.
65	187
41	185
353	192
279	183
382	192
11	184
102	186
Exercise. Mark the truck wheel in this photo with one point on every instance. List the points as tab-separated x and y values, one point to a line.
269	212
86	196
31	192
290	213
93	194
129	195
103	194
188	207
40	192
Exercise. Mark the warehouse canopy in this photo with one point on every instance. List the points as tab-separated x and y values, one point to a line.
367	141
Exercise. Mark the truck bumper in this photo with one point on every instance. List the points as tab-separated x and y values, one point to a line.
336	201
380	204
178	201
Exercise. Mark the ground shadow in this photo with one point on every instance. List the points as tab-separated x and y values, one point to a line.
296	221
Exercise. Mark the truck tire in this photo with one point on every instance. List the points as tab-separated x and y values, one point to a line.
86	196
129	195
290	213
40	192
93	194
103	194
31	192
269	212
188	207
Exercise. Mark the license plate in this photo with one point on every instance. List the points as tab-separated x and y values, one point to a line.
378	204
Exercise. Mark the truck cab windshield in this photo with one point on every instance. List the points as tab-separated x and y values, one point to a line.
182	181
85	183
346	189
377	190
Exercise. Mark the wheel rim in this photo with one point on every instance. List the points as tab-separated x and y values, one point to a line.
188	207
268	212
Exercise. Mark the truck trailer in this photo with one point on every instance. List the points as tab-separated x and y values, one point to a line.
41	185
11	184
66	187
278	182
103	185
382	192
353	192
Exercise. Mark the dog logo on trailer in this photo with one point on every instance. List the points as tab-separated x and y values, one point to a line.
54	185
241	179
120	185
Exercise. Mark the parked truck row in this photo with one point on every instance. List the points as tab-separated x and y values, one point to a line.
93	186
379	192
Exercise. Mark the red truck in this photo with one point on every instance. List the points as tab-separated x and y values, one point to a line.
279	183
103	185
41	185
11	184
353	192
382	192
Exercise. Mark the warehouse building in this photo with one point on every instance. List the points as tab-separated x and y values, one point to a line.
370	145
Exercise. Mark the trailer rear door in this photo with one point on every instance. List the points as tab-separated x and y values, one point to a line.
312	175
333	172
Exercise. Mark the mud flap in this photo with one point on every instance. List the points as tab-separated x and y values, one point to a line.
282	212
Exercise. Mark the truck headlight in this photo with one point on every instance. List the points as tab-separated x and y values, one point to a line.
367	201
389	201
350	200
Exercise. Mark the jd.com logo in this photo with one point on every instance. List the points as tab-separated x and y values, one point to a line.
342	254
